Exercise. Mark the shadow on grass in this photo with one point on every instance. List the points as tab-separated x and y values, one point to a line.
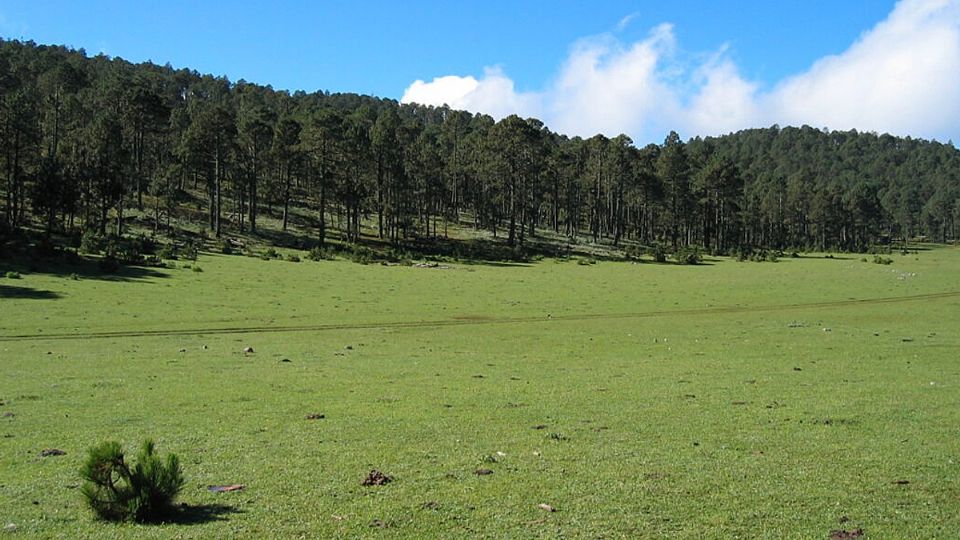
286	239
69	264
188	514
7	291
824	257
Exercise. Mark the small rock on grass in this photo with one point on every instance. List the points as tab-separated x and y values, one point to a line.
248	350
546	507
483	472
10	528
52	452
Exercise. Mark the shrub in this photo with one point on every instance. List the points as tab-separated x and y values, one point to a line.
688	255
196	268
362	254
124	250
191	249
155	261
118	492
658	253
225	247
633	252
270	253
320	254
167	251
293	258
586	261
145	245
92	242
878	259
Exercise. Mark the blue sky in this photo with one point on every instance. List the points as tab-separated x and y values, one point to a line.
700	67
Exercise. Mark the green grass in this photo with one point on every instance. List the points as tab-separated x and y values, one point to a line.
675	401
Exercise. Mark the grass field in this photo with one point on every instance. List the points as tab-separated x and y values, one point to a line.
727	400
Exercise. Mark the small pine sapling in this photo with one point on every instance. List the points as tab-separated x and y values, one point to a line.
143	493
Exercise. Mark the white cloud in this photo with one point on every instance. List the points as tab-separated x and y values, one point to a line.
724	101
902	77
493	94
625	22
449	90
607	88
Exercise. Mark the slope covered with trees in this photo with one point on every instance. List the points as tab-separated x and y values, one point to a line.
86	142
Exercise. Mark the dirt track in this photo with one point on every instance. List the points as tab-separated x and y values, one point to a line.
477	320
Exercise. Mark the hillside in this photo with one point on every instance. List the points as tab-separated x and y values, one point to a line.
98	146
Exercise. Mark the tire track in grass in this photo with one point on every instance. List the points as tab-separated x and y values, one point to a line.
478	320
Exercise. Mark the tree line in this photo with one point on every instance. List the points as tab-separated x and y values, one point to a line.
84	141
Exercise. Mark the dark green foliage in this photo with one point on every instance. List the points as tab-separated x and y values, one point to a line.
196	268
167	251
92	242
658	252
293	258
879	259
362	254
688	255
760	255
13	275
270	253
190	249
143	493
320	254
631	252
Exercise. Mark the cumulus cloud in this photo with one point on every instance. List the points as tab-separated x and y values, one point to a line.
607	88
493	94
902	77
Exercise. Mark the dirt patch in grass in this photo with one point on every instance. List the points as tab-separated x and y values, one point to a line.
376	478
